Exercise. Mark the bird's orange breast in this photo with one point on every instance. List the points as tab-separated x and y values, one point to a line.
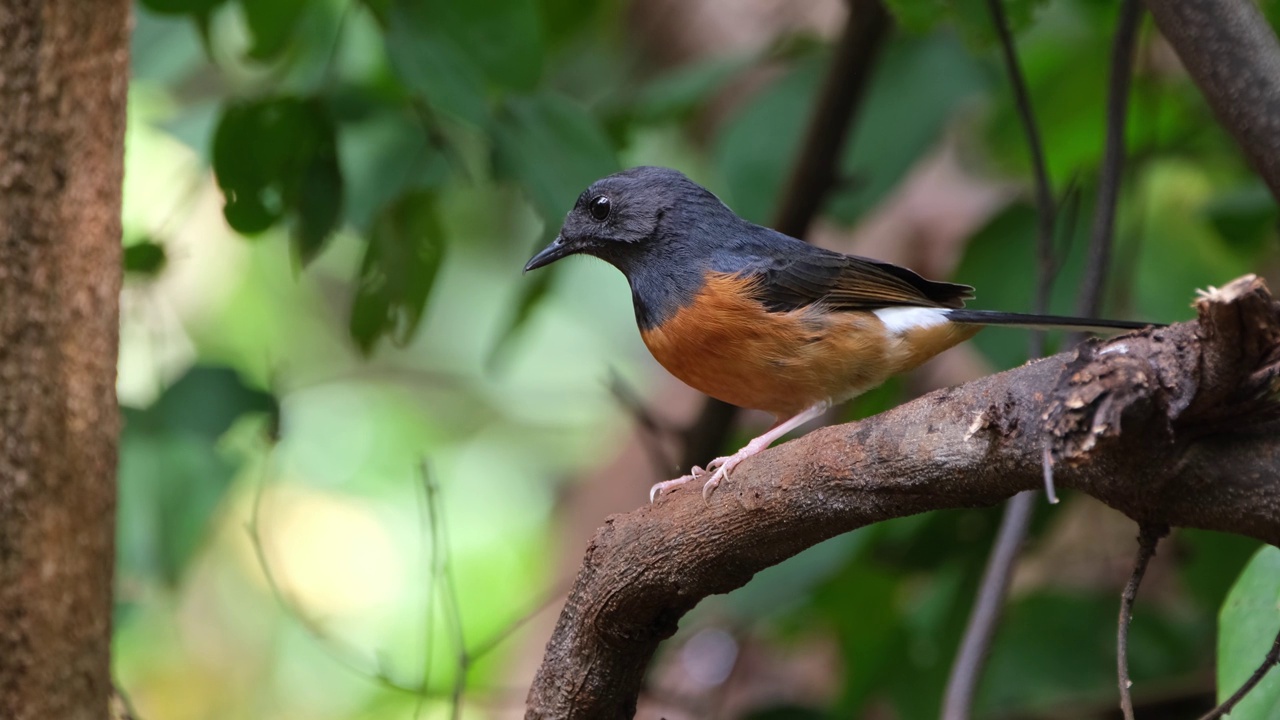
729	346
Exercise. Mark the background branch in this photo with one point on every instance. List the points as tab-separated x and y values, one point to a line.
1233	56
1198	447
966	668
812	178
1148	537
1102	232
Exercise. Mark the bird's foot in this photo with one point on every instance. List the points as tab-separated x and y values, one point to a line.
722	466
656	491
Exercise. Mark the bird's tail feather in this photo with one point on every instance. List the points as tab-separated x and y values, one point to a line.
1041	322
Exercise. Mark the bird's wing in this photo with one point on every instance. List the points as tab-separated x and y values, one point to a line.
786	281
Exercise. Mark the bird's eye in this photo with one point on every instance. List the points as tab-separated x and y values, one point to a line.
599	208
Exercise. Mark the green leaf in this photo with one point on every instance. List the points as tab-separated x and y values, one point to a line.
278	156
918	16
532	291
564	21
503	37
972	17
145	258
919	86
319	205
181	7
272	24
1247	627
1210	563
1055	647
172	477
451	53
679	93
433	66
399	269
553	148
203	403
384	153
755	171
1244	217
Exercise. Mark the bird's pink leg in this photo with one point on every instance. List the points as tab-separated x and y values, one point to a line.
725	465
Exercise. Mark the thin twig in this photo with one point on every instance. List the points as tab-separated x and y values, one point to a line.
812	177
1270	661
987	607
432	550
974	646
1046	213
1148	536
1102	234
339	652
817	166
652	430
483	647
347	655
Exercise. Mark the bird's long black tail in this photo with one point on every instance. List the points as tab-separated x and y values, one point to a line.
1042	322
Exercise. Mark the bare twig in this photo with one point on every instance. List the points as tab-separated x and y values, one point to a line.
340	652
443	575
440	569
974	646
1113	155
812	177
987	607
1268	662
816	168
1046	212
653	431
1148	537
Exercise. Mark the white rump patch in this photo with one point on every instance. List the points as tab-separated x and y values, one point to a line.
899	320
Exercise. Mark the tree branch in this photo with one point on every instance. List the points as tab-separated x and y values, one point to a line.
1102	232
814	173
1232	54
1148	537
1176	426
988	606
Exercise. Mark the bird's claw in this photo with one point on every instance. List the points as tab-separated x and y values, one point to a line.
718	469
723	466
656	491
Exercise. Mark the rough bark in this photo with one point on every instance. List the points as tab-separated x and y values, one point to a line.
1178	426
63	78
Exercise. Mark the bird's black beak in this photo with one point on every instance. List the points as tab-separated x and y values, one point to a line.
551	253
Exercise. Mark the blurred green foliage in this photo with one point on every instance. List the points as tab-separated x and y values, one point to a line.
396	161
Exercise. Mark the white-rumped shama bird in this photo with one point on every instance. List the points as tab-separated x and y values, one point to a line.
760	319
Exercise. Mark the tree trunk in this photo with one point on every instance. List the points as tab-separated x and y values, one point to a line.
63	80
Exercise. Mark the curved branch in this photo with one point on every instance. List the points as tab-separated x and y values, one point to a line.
1233	55
1174	426
1148	537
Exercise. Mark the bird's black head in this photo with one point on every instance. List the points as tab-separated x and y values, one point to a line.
627	216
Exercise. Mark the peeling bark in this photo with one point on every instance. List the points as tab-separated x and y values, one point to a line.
1177	426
